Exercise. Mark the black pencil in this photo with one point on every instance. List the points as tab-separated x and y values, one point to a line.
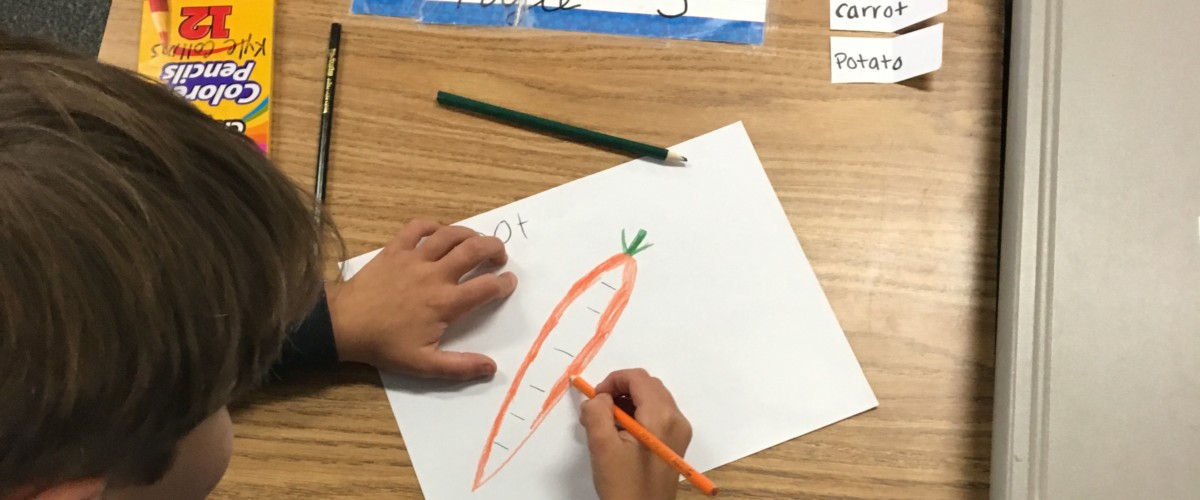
331	64
558	128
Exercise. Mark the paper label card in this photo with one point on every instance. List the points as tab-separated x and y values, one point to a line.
884	16
885	60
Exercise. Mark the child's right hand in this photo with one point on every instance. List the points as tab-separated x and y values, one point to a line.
622	467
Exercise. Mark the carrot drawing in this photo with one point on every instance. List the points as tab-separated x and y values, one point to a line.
604	327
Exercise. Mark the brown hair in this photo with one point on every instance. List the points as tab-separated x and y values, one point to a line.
151	263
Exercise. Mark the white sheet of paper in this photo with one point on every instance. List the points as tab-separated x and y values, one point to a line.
884	16
724	308
885	60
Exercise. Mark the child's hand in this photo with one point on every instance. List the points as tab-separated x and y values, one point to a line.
392	314
623	468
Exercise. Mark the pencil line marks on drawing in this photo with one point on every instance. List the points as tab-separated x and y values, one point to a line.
604	326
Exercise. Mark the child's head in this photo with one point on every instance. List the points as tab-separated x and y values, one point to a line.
150	264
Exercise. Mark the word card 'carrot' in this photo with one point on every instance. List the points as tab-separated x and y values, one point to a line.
522	423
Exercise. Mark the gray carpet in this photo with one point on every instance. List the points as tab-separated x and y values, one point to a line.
76	25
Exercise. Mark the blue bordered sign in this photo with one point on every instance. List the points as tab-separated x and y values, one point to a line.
733	21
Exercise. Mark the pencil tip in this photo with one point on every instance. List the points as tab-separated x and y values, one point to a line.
684	158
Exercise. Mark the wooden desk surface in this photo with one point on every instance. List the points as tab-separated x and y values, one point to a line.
893	191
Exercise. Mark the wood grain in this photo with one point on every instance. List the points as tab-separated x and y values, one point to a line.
893	190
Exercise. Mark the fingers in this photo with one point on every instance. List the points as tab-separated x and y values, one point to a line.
478	291
443	240
656	408
596	415
472	252
453	365
638	384
411	234
609	384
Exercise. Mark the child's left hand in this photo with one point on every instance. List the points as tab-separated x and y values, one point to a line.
393	313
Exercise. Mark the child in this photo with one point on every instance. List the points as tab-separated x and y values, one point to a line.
154	266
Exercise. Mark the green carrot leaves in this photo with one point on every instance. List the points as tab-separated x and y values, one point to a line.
636	246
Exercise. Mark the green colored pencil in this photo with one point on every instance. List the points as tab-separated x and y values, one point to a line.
557	128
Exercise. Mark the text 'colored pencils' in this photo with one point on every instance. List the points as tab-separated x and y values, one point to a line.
652	442
557	128
331	65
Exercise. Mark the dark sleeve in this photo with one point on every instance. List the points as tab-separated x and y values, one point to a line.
311	344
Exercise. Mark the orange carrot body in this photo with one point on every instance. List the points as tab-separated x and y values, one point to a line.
608	320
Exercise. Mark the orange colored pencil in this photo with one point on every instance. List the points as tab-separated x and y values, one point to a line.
651	441
160	14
